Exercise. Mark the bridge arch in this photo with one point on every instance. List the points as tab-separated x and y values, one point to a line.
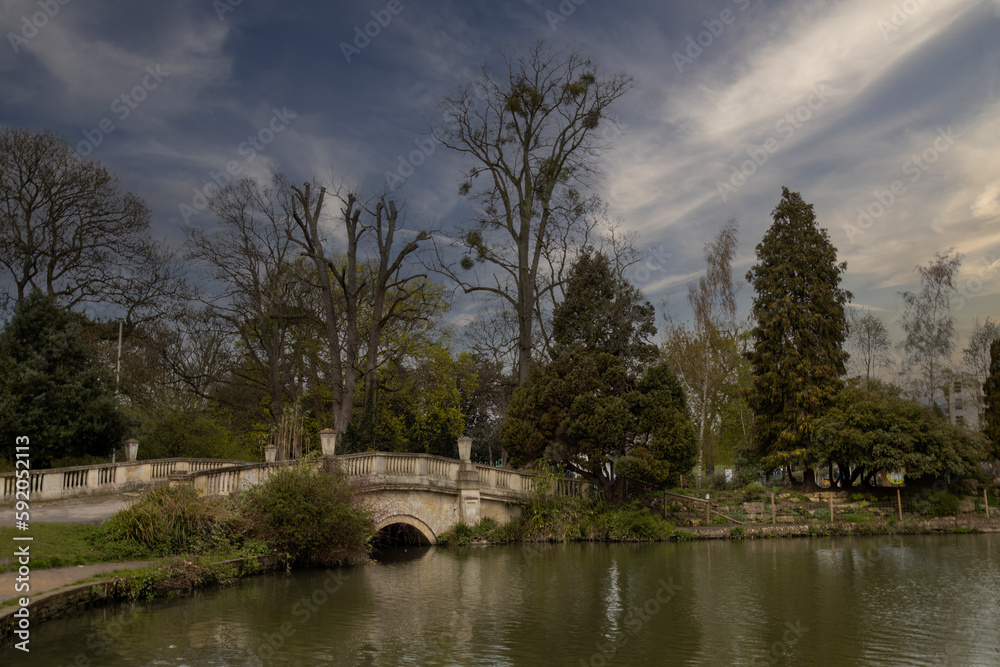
420	526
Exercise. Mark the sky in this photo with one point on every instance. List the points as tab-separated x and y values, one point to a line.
884	115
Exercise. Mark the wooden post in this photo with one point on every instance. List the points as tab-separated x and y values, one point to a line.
986	500
664	503
774	515
899	504
831	509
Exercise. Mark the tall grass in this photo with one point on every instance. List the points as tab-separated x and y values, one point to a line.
173	520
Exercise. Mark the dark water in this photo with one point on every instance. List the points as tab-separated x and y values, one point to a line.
916	600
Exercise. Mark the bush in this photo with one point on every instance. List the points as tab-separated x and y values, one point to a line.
631	523
822	514
311	516
753	492
171	520
942	503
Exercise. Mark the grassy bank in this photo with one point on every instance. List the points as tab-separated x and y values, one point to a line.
733	514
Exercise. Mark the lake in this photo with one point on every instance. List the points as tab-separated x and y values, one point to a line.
904	600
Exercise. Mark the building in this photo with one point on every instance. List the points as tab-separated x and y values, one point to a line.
963	401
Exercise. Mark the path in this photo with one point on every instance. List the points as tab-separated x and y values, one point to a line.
44	581
92	510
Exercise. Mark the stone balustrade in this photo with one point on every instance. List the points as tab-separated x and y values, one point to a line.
55	483
373	470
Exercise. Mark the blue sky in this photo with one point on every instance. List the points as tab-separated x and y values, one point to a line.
886	108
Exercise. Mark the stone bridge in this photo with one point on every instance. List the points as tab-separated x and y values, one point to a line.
417	495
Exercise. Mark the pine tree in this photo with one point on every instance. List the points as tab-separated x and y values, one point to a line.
797	355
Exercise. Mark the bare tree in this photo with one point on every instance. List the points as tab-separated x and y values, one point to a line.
977	355
396	296
388	294
68	230
532	134
869	343
706	356
929	325
252	265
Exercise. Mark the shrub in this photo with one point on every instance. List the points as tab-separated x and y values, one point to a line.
312	516
171	520
822	514
942	503
753	492
631	523
737	533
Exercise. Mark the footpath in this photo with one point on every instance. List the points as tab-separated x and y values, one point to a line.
46	581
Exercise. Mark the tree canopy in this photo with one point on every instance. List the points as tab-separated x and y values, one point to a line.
52	389
604	398
872	429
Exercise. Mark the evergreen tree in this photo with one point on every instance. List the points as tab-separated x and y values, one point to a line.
991	391
799	330
52	389
603	398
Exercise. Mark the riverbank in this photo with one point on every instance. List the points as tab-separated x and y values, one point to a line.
165	578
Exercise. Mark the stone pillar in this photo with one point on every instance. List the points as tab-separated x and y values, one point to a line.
468	483
328	441
131	449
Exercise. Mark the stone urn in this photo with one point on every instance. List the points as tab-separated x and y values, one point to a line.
131	449
328	441
465	448
270	453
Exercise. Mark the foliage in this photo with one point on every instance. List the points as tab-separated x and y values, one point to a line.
599	399
872	430
991	392
753	492
52	389
313	516
421	406
173	520
172	577
195	434
942	503
929	325
632	523
603	312
800	326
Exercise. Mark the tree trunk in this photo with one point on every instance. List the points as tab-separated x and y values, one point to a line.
809	479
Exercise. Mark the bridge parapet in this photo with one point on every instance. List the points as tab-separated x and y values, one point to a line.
55	483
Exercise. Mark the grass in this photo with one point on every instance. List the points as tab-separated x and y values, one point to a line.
61	545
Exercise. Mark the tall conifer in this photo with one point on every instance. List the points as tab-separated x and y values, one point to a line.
797	357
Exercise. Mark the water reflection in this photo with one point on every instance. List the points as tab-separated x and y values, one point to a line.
917	600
